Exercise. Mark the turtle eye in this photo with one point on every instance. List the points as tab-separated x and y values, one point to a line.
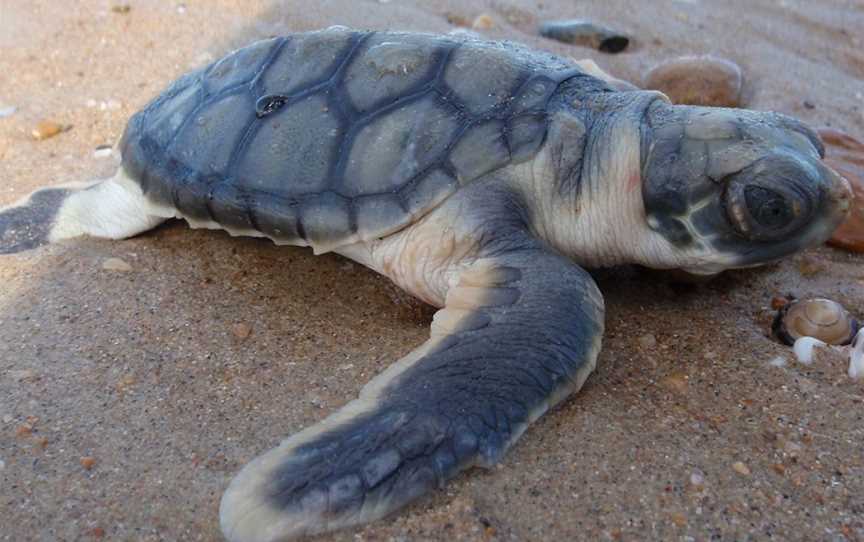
768	208
770	200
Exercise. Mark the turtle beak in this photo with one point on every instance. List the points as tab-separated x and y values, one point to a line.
839	196
836	204
836	190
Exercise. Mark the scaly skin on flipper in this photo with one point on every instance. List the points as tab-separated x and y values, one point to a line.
27	224
520	330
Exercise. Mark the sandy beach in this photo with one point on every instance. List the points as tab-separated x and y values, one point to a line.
128	399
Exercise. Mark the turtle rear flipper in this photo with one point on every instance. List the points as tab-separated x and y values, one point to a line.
28	224
113	208
518	333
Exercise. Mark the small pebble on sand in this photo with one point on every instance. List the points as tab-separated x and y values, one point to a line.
45	129
675	382
116	264
586	34
22	375
7	111
110	105
483	22
741	468
2	464
103	151
7	418
697	478
810	267
792	448
121	8
779	361
241	331
647	341
457	19
778	303
698	80
125	383
87	462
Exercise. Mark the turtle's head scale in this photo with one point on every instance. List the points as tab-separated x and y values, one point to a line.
732	188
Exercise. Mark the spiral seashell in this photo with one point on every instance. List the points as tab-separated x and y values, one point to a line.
821	319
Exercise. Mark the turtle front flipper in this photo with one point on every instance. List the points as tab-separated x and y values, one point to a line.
114	208
519	332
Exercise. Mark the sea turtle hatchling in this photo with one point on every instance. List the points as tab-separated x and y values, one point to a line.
478	176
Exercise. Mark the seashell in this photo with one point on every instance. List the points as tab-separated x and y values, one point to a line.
804	347
856	356
822	319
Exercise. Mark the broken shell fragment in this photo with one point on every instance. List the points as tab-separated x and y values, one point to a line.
856	357
586	33
804	347
822	319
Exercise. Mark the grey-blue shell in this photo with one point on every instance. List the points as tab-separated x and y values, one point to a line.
331	137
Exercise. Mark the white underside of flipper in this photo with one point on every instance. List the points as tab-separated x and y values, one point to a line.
113	208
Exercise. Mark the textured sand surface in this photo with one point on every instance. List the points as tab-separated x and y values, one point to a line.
143	371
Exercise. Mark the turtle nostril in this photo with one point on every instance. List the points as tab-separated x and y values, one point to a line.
839	189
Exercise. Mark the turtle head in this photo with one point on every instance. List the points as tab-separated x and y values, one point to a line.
730	188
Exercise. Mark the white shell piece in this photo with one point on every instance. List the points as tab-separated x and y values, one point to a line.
779	361
856	356
804	349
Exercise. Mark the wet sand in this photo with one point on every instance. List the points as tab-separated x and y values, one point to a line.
143	371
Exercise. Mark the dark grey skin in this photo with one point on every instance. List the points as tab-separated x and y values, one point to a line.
479	177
